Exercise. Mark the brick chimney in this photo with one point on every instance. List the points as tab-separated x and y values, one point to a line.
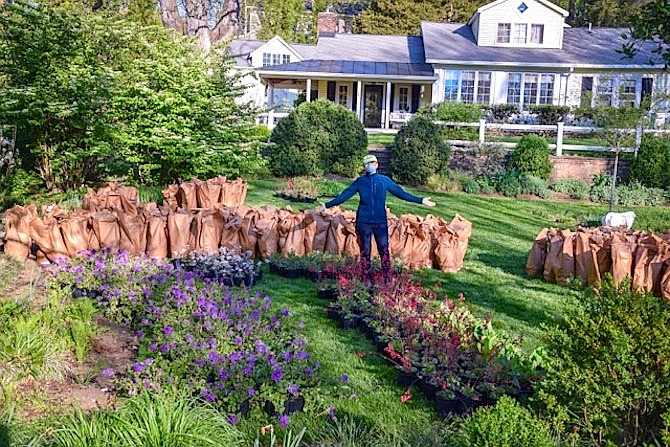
327	22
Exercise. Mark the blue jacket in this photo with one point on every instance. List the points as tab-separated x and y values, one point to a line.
372	191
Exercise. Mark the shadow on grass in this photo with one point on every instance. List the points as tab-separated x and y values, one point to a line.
5	436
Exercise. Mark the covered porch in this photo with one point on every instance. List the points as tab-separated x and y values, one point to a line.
383	95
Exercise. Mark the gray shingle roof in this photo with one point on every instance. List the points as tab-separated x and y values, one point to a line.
355	67
367	47
241	48
455	43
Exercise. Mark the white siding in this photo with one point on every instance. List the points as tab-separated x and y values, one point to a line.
272	47
508	12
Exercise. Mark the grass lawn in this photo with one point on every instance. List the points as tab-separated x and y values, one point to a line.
382	139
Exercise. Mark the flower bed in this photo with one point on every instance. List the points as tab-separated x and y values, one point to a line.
227	346
454	357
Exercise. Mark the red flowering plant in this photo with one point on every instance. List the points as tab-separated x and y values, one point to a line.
353	293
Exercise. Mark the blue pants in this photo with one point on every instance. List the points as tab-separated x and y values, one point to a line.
381	233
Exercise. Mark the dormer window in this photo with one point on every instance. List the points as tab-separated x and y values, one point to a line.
537	33
504	32
520	33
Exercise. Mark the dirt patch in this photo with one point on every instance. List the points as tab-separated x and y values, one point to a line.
86	387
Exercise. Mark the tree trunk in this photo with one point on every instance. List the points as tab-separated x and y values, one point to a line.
170	15
614	175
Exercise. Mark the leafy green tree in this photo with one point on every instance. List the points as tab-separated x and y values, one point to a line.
405	16
650	22
281	17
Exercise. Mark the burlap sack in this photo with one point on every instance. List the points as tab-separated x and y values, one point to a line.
601	247
654	271
211	228
268	232
157	237
445	250
111	198
322	223
622	258
179	232
308	232
129	199
538	254
48	238
420	256
17	232
230	237
567	269
75	232
248	235
665	282
234	193
53	212
352	246
186	197
208	193
106	229
170	197
336	238
586	268
133	236
90	201
552	265
397	237
463	230
291	232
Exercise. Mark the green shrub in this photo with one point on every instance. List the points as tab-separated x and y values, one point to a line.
487	185
609	377
502	112
509	183
318	137
634	194
507	424
531	157
535	186
548	114
419	151
443	182
457	112
470	185
575	188
18	187
651	167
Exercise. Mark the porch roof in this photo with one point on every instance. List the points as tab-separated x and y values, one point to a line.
317	68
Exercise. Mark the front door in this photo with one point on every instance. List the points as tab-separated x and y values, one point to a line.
372	108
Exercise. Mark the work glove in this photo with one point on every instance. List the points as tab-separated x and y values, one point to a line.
427	202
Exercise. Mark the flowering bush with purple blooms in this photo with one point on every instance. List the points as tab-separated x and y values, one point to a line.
228	346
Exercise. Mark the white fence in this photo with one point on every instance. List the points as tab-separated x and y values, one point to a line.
559	128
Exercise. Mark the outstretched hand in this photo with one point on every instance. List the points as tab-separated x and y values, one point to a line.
321	208
427	202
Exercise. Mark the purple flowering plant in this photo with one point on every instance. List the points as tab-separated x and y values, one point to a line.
228	346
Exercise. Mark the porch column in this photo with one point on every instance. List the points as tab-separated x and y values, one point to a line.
271	95
308	93
269	102
387	113
359	100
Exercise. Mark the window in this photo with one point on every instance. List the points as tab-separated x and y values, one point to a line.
514	88
468	87
520	31
604	91
451	80
484	87
343	94
284	99
536	33
547	89
276	59
504	30
266	59
530	89
627	93
403	98
286	59
587	91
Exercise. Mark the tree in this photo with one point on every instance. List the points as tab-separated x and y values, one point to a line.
618	127
650	23
281	17
405	16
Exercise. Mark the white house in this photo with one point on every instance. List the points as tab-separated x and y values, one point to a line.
517	52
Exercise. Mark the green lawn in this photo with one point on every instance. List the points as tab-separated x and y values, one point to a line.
382	139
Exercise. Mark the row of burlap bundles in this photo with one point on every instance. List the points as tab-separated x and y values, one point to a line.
193	194
588	254
162	232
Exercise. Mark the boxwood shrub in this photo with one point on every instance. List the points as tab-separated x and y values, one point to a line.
316	138
651	167
531	157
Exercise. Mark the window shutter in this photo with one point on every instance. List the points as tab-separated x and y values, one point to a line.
354	96
416	93
331	91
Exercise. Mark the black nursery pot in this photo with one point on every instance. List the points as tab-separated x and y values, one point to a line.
243	408
269	408
350	322
406	378
333	313
445	407
428	389
292	273
327	294
294	404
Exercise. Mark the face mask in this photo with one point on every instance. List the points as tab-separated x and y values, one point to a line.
370	169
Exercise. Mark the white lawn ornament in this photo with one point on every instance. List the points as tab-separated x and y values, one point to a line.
619	219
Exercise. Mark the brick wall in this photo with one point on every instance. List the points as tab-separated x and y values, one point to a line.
586	167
